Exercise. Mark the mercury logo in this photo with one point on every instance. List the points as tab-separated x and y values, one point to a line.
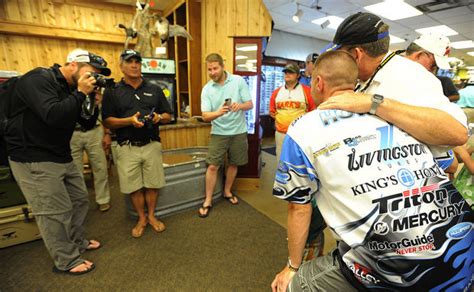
381	228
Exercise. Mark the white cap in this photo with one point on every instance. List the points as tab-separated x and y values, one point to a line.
83	56
78	55
438	45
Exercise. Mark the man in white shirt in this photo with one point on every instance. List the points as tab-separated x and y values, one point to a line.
405	93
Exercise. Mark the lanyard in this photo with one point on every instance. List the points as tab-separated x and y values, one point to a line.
380	66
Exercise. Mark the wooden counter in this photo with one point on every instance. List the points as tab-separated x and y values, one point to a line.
185	134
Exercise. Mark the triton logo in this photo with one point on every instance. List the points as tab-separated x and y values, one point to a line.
410	198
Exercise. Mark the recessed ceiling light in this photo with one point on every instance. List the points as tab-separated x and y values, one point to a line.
396	40
393	9
334	21
439	30
240	57
470	53
247	48
463	44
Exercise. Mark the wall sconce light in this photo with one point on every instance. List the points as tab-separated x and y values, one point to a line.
298	14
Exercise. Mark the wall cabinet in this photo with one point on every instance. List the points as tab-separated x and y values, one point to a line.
187	55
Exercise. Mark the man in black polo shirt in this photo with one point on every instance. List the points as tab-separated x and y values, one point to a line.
134	107
43	113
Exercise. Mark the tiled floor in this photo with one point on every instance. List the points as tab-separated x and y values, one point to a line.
263	200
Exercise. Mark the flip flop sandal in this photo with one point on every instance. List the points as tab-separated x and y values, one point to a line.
68	272
207	210
159	227
140	230
89	248
232	198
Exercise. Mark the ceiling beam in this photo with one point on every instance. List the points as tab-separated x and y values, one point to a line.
25	29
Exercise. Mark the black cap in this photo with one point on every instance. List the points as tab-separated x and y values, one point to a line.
312	57
357	29
292	68
128	54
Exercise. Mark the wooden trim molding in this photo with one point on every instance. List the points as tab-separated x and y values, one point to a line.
26	29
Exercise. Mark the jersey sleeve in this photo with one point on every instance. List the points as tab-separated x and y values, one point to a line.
295	180
272	100
309	99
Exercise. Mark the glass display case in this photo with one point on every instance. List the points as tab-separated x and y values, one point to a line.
248	64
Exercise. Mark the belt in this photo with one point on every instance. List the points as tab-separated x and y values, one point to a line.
82	129
134	143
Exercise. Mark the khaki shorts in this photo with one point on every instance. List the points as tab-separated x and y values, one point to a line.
140	167
235	146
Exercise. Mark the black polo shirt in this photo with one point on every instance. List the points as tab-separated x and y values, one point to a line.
124	101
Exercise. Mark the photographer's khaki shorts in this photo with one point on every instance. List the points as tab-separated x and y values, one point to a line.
235	145
140	167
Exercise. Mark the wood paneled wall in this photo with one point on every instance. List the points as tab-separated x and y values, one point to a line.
221	20
183	137
42	32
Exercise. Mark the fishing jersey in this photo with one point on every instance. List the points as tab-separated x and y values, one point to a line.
400	222
288	105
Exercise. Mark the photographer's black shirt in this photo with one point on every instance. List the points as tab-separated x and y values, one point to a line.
124	101
44	112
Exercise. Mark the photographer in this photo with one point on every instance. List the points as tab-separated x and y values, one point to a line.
134	107
44	111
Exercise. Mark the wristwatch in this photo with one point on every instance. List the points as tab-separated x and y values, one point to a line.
293	269
377	99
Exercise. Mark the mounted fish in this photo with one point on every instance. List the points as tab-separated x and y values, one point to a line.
167	30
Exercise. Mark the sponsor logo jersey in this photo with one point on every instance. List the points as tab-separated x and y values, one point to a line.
400	222
288	105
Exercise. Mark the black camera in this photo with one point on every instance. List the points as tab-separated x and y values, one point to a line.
102	81
148	119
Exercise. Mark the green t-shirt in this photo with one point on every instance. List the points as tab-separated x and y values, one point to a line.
213	96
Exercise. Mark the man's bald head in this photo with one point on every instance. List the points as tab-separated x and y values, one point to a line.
338	69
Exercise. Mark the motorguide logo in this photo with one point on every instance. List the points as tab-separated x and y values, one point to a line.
401	244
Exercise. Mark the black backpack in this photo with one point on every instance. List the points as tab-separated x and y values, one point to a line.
7	91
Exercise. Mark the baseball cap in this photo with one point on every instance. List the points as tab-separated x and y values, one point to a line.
127	54
438	45
357	29
292	68
312	57
83	56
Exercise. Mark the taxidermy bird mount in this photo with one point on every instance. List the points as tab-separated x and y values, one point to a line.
167	30
130	34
